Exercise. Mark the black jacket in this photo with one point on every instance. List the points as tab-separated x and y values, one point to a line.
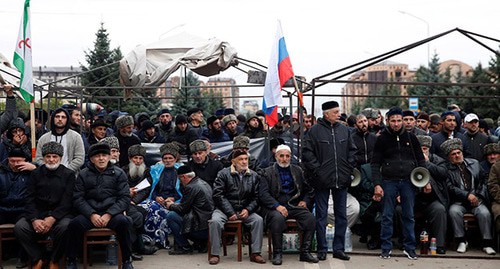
125	143
50	193
270	187
13	189
196	206
328	154
439	138
101	192
395	155
364	143
438	170
479	187
232	194
207	170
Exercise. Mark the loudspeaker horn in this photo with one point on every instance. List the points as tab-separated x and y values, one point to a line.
356	177
420	176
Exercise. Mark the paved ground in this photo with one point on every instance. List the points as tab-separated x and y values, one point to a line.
360	259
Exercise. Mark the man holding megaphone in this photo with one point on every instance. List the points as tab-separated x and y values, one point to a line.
396	153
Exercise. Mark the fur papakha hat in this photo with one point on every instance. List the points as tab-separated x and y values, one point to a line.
229	118
241	141
136	150
52	147
111	141
169	148
124	121
98	149
197	145
425	140
491	148
451	145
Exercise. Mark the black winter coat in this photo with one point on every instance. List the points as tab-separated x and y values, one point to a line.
365	142
479	178
395	155
101	192
207	170
328	154
196	206
232	194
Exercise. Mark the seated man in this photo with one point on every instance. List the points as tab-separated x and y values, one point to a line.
432	201
48	207
236	191
467	186
189	218
284	194
101	196
205	167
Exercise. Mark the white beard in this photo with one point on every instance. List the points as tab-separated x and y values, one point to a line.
52	166
136	171
113	161
283	165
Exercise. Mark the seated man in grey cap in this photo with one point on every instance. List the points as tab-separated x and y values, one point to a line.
101	196
189	218
114	146
468	193
205	167
491	156
48	207
242	142
432	201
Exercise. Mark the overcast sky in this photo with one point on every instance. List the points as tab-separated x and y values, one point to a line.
321	36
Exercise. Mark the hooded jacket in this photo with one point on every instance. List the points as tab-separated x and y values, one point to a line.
7	145
329	155
73	149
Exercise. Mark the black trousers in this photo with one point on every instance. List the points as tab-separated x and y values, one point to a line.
121	224
28	238
276	224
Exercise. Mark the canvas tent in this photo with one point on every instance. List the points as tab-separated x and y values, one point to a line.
9	74
152	64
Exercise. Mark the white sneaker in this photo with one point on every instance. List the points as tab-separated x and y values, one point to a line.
462	247
489	250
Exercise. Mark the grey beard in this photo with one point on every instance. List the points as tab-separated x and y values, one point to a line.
136	171
283	165
113	161
52	166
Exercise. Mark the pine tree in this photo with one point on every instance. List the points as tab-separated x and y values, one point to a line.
187	97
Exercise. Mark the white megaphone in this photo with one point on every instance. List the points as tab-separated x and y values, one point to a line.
355	177
420	176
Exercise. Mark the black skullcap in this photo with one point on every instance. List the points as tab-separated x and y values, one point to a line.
180	119
394	111
185	169
329	105
193	110
211	120
17	152
408	113
99	148
163	111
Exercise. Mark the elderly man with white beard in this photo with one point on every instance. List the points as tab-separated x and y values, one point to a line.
284	194
48	207
137	171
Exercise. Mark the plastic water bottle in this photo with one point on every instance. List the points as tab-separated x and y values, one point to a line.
348	240
424	240
433	246
329	237
111	252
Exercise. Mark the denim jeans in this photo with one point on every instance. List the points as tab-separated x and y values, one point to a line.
392	189
181	239
339	197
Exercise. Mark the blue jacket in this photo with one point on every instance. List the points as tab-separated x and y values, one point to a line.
13	189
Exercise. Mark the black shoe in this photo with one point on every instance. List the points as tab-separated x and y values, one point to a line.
373	244
136	257
181	251
277	258
307	257
71	264
127	265
341	255
441	250
321	256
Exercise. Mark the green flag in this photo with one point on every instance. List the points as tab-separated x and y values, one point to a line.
22	55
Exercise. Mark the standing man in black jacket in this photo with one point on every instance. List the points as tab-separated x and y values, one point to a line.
396	153
48	207
101	196
284	194
328	154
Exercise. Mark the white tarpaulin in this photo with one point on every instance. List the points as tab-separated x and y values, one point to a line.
9	74
152	64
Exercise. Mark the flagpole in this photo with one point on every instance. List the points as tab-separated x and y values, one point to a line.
33	130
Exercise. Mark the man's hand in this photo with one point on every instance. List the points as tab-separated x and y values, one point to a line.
19	139
48	223
427	188
233	217
96	220
282	211
26	166
378	193
38	225
243	214
302	204
133	192
105	219
160	200
8	90
169	203
473	200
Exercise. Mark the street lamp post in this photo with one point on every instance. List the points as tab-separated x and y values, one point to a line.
428	32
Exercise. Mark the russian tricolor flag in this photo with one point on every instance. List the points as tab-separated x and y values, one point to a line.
278	72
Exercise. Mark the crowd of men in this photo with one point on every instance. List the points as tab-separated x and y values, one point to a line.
89	171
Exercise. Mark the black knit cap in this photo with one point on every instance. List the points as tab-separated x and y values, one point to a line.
17	152
329	105
180	119
193	110
394	111
211	120
163	111
184	170
408	113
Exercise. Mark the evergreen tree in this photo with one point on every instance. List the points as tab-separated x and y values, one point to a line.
213	101
187	97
